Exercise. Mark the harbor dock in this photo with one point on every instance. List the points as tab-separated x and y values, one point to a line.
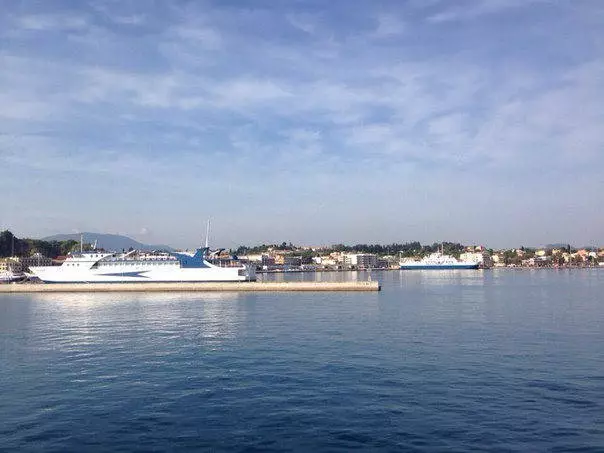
189	287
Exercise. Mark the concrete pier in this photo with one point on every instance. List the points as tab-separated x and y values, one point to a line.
187	287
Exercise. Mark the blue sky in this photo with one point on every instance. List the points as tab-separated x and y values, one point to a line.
479	121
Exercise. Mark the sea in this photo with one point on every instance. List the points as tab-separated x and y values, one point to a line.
505	360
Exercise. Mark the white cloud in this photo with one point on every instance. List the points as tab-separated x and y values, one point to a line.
197	35
465	10
245	91
304	22
389	25
52	22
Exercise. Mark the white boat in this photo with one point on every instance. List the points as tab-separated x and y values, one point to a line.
10	276
438	260
135	266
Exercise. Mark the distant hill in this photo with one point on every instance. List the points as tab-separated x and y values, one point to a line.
113	242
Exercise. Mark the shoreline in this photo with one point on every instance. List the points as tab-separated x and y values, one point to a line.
316	271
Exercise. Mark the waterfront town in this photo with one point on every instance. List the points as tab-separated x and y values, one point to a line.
300	259
17	255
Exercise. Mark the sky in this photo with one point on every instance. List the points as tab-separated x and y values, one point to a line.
315	122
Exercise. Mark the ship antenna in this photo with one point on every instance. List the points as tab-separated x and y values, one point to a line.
81	242
207	232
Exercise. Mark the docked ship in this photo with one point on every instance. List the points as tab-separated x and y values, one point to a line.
10	276
438	260
136	267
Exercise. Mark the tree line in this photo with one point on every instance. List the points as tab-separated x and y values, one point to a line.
414	248
10	245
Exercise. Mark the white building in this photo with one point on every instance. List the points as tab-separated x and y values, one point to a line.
360	260
257	258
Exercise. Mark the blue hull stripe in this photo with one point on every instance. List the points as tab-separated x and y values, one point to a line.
126	274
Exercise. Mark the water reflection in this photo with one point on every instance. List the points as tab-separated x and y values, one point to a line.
76	323
444	277
322	276
85	301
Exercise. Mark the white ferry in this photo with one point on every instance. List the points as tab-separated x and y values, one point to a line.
438	260
135	266
10	276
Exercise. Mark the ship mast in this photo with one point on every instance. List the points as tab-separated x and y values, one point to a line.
207	233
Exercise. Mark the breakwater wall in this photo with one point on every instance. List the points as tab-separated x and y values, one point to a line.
188	287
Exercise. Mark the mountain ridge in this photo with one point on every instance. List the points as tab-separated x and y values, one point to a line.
114	242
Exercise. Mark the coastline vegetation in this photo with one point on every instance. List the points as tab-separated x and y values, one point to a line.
10	245
408	249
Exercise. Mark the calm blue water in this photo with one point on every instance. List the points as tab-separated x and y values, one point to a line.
457	360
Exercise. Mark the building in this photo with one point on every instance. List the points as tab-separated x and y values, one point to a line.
289	260
325	261
306	259
267	260
251	258
360	260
